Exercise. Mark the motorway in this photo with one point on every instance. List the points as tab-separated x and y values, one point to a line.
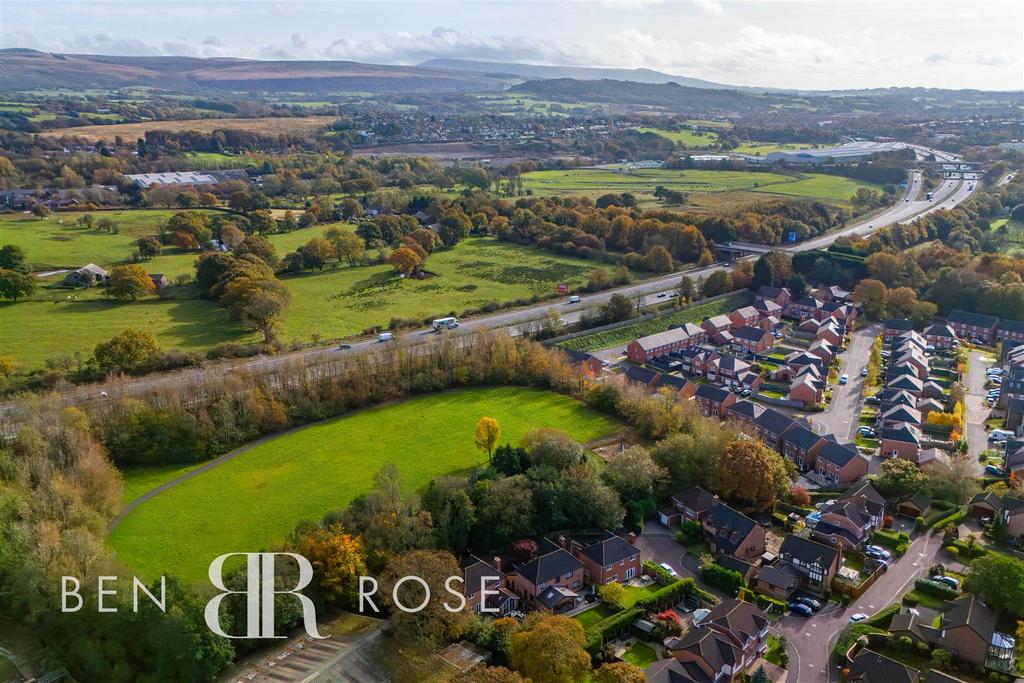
516	321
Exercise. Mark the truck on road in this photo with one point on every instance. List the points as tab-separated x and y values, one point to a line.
445	324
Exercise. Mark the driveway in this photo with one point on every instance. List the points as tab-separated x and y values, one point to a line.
658	544
811	640
841	417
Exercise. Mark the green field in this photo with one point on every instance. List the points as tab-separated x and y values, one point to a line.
687	138
138	480
761	148
705	187
330	304
693	314
258	497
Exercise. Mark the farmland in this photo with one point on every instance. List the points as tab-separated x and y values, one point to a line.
250	501
705	187
686	138
331	304
691	314
300	125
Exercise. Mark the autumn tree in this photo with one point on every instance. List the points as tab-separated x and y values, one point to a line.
148	247
884	267
350	247
488	431
338	561
405	261
550	650
900	477
433	624
750	473
717	283
870	295
619	672
317	252
612	593
129	282
491	674
127	350
257	302
659	260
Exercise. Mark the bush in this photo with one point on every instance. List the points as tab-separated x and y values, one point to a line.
689	532
936	589
658	573
728	580
614	624
919	523
891	539
953	551
953	518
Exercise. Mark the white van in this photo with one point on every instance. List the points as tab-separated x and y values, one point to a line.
999	435
385	337
575	299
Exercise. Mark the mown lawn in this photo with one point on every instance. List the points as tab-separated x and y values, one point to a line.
331	304
640	654
594	615
248	503
626	334
139	480
634	593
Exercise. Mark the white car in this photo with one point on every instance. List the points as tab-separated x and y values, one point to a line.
859	616
844	378
575	299
668	568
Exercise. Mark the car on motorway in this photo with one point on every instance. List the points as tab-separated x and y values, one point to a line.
947	580
662	295
800	609
385	337
344	347
575	299
810	602
844	378
859	616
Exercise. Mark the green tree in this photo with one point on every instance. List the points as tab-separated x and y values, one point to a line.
717	283
550	650
687	290
451	510
13	258
259	246
15	285
763	275
148	247
129	282
900	477
612	593
659	260
127	350
454	227
999	579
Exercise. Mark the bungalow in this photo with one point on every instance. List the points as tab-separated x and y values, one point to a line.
777	295
590	364
644	376
607	559
941	336
903	441
656	345
554	567
713	401
731	532
743	414
969	325
752	339
744	317
1010	330
840	462
894	327
816	563
771	425
800	444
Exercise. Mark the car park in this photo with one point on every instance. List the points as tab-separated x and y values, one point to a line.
800	609
859	616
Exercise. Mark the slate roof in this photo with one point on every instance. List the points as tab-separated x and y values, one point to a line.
745	408
740	618
576	356
968	318
552	596
636	373
695	498
733	364
473	569
671	670
870	667
902	413
674	381
778	577
731	526
839	454
711	392
902	433
802	437
609	549
906	382
713	647
773	421
654	341
940	330
747	333
770	292
807	551
549	566
1010	326
898	324
968	610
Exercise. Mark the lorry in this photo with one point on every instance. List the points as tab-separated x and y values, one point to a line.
385	337
929	195
445	324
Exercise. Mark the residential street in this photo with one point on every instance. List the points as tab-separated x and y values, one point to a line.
841	418
977	435
811	640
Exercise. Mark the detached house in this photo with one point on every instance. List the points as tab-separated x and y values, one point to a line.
816	563
721	648
478	576
973	325
731	532
744	317
607	559
846	522
550	580
752	339
777	295
690	505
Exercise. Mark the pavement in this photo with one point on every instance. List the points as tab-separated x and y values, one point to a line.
811	639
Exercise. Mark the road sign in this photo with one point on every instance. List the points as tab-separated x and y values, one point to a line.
563	288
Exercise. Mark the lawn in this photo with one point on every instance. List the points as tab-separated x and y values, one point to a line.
640	654
694	314
758	148
705	187
634	593
774	652
594	615
257	498
298	126
331	304
685	138
139	480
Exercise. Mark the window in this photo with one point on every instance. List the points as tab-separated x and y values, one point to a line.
575	585
613	578
630	573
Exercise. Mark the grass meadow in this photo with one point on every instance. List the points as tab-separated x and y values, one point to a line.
690	139
247	503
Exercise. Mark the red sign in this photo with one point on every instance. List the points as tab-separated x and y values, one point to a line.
563	288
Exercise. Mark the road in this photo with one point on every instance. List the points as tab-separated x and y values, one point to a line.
841	417
976	410
514	321
813	639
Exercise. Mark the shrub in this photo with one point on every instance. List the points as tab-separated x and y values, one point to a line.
658	573
689	532
716	575
614	624
952	518
953	551
919	523
936	589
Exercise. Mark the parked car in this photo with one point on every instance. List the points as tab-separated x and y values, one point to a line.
873	400
745	393
859	616
867	432
810	602
993	470
877	551
844	378
800	609
999	435
948	580
667	567
863	372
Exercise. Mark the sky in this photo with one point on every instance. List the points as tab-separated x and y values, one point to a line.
811	44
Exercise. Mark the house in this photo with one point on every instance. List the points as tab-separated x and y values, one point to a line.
830	332
1013	462
728	640
743	623
744	569
608	558
870	667
477	576
817	564
965	629
834	293
779	582
823	350
807	307
896	397
696	332
907	383
656	345
806	390
969	325
941	336
800	444
644	376
752	339
697	361
915	506
726	368
914	360
926	406
1013	515
839	312
554	567
1014	414
744	317
841	463
1010	331
846	522
777	295
690	505
160	281
902	440
713	401
684	389
985	505
743	414
1012	386
768	308
590	364
770	323
894	327
730	532
771	425
716	324
86	276
900	414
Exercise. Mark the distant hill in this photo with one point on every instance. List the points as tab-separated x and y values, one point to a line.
22	69
583	73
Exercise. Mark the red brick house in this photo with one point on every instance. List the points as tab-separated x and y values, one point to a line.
607	559
806	390
941	336
973	325
591	365
1010	330
801	444
478	576
731	532
816	564
902	440
752	339
713	401
840	463
656	345
747	316
777	295
554	567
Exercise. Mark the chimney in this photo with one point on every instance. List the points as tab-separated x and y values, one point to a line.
496	561
631	537
561	541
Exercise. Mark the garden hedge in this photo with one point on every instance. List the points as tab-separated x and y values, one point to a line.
936	589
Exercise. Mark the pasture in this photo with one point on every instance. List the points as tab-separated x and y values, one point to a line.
251	501
335	303
691	139
298	126
705	187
